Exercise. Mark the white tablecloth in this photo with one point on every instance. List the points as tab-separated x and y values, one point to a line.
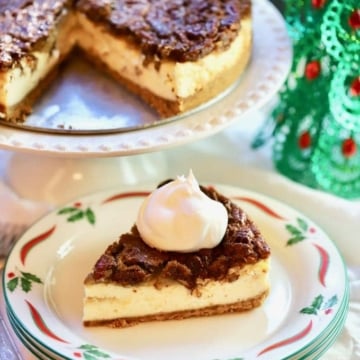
227	158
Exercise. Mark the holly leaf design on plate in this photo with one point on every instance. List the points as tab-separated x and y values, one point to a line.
67	210
331	302
319	304
12	284
91	352
90	216
26	281
302	224
297	232
297	235
77	213
314	307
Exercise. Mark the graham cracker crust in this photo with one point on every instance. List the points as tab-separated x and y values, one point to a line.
238	307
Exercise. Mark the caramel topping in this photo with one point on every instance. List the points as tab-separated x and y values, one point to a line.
181	30
23	24
130	261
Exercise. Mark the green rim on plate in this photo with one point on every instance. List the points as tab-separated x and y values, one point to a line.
308	278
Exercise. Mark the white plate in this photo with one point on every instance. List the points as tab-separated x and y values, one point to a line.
34	348
60	251
268	68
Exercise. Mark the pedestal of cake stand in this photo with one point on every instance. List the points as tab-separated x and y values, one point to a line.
58	180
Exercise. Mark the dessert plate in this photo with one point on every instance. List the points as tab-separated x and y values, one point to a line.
302	316
104	119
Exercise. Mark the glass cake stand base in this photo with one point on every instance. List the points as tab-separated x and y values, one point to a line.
58	180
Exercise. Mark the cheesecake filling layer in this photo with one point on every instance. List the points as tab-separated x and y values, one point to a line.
23	79
172	80
107	301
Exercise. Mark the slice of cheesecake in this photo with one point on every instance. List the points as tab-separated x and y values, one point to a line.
133	282
35	37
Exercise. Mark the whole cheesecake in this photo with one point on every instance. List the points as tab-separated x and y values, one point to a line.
132	282
176	54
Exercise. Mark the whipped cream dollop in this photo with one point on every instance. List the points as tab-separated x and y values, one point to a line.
179	217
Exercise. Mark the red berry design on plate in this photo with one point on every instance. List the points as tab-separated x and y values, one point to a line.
312	70
11	275
77	354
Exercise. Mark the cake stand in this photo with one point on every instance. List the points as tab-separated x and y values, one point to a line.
55	166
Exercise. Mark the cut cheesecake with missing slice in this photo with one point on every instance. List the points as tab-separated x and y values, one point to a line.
192	253
175	55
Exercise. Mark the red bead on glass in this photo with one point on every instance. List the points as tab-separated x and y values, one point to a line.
318	4
355	87
304	140
312	70
348	147
354	19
